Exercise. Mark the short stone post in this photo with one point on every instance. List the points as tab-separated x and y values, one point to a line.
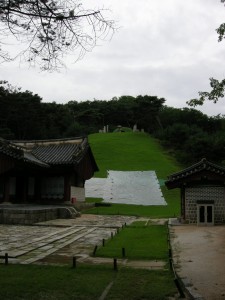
123	252
95	249
74	262
6	259
115	264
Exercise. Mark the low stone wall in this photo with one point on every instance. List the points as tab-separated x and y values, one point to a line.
82	206
28	215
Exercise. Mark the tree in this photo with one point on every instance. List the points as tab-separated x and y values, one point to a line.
20	113
217	87
148	108
51	29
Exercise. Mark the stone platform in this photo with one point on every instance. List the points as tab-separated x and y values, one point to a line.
20	214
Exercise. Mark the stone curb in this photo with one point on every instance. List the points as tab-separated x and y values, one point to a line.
189	289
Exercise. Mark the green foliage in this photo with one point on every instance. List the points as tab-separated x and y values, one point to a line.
125	111
217	88
146	242
186	132
58	120
20	114
23	116
147	112
191	135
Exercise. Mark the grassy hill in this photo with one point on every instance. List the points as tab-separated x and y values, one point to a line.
128	151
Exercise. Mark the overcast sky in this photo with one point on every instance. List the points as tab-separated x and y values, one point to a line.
166	48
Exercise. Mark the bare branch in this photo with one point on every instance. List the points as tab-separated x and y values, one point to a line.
51	29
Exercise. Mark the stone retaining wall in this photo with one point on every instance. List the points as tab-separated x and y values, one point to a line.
31	215
26	216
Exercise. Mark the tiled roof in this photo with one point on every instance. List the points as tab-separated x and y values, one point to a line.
58	154
46	152
203	165
30	158
11	150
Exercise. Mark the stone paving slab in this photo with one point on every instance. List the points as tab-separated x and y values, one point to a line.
28	244
57	241
91	220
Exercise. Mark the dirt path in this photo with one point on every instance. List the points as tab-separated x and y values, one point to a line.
199	256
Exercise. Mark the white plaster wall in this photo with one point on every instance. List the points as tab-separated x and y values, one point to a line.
78	193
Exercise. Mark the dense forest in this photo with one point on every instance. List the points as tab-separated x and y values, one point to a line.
188	133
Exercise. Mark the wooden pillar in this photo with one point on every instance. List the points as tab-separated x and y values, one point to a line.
37	189
6	196
24	189
21	189
67	188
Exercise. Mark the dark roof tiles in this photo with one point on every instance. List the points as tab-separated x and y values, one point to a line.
10	149
202	165
46	152
57	154
30	158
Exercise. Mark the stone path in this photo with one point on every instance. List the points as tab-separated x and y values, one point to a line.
57	241
199	256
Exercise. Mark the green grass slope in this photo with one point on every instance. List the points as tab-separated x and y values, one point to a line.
128	151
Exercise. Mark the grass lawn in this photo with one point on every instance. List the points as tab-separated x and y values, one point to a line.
23	282
135	152
140	242
142	284
129	151
156	211
30	282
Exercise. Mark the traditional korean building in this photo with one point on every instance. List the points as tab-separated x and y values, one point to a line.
45	171
202	187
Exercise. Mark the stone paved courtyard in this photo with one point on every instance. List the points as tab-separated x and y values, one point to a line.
65	238
57	241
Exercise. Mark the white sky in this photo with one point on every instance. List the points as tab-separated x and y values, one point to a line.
166	48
